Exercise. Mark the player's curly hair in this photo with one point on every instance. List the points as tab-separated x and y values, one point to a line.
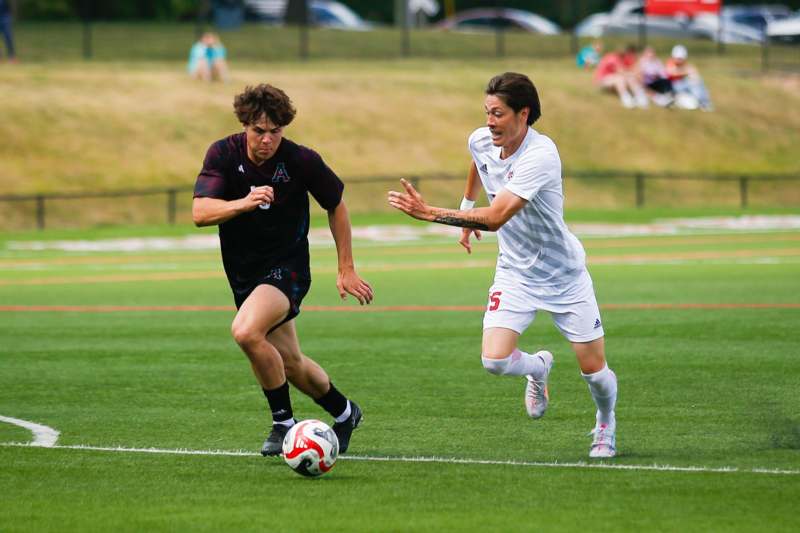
517	91
264	99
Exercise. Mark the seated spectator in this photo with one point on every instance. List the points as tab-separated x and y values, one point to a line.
207	59
653	76
615	72
589	56
690	91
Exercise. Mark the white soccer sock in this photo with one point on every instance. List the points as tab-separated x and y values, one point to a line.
603	386
518	363
288	423
346	414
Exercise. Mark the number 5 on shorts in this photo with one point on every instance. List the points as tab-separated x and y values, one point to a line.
494	300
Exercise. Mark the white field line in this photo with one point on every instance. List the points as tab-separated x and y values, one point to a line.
440	460
405	234
43	436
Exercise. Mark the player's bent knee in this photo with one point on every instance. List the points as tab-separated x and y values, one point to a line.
496	366
245	336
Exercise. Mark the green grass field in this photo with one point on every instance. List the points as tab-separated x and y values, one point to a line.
701	329
118	336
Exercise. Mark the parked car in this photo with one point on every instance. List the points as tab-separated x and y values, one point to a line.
756	16
336	15
324	13
269	11
485	19
732	32
627	16
785	30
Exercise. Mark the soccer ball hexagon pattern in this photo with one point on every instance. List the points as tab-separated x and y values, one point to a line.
310	448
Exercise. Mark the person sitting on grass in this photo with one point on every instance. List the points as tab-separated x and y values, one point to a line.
207	59
690	90
615	73
589	56
653	76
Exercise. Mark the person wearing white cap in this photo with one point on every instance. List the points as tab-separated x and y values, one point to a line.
690	90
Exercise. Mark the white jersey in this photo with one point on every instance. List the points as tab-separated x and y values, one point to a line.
536	247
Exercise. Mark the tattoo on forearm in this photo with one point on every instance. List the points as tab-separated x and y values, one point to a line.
460	219
461	223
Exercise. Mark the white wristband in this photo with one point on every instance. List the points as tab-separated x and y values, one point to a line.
466	204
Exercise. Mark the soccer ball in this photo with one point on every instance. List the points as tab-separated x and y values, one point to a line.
310	448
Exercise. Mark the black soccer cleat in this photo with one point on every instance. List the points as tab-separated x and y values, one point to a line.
345	429
274	443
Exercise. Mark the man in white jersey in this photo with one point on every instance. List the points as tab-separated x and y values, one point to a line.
541	264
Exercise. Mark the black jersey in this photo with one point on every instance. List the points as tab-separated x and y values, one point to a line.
255	242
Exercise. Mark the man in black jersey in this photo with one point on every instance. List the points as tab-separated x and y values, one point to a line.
255	186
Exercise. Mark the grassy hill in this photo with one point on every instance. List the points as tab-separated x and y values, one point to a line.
72	125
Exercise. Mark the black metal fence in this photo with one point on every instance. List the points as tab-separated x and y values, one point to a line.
594	189
92	40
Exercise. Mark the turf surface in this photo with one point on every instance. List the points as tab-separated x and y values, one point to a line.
708	388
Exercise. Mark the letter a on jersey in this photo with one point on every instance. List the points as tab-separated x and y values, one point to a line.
280	174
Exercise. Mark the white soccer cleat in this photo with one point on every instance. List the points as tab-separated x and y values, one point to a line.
604	445
536	393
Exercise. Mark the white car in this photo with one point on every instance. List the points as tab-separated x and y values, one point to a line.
625	19
785	31
490	19
336	15
628	15
324	13
758	16
731	32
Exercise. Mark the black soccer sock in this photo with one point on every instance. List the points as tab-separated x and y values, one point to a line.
333	401
279	403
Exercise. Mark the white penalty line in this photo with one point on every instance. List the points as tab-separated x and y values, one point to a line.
441	460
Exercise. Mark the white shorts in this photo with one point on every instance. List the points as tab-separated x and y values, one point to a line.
513	305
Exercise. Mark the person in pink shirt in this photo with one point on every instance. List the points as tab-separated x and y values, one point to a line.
615	72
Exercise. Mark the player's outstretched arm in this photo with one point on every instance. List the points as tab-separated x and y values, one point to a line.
212	211
347	281
489	218
471	190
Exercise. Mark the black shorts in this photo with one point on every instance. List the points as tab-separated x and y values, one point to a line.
287	278
661	86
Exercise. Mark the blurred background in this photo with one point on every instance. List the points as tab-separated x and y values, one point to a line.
102	123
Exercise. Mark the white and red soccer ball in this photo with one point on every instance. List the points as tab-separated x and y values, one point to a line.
310	448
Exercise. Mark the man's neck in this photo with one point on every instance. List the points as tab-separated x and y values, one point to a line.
257	161
512	147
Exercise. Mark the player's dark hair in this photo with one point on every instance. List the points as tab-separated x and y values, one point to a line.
518	92
264	99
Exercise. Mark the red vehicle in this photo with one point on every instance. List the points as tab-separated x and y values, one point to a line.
686	8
